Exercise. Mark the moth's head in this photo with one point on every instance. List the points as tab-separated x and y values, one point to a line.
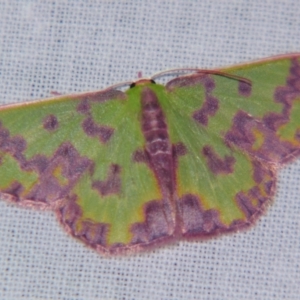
142	82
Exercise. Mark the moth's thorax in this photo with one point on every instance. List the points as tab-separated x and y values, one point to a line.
158	146
143	82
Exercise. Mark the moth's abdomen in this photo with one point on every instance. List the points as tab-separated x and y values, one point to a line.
158	147
153	125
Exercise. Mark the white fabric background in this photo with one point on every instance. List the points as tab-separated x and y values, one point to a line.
74	46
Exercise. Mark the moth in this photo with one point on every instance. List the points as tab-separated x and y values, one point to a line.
128	170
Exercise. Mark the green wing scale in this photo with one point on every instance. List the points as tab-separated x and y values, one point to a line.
125	171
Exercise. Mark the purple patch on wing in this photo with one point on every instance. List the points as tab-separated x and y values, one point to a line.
256	194
297	134
272	148
112	185
245	89
295	83
274	120
258	172
262	171
209	84
72	165
93	129
48	188
270	186
15	190
39	163
179	149
208	109
50	123
195	221
12	145
295	68
291	91
254	201
84	106
240	133
140	156
70	213
216	164
93	234
157	225
246	205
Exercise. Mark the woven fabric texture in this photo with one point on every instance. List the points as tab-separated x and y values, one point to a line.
75	46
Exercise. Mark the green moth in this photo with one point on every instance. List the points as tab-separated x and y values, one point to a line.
125	171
